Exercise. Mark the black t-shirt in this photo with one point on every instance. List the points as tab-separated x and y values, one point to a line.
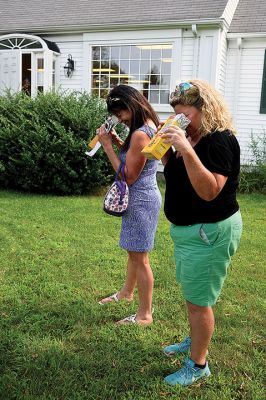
219	152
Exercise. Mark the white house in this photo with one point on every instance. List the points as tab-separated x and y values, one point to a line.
93	45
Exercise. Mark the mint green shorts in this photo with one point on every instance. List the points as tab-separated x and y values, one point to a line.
202	254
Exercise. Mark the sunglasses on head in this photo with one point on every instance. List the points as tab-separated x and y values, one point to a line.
180	89
111	100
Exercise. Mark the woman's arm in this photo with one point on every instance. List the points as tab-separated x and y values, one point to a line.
206	184
135	160
116	139
106	141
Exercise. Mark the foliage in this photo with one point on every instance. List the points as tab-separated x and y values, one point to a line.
253	174
43	143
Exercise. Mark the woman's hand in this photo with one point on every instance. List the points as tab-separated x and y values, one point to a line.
104	138
116	139
177	138
161	123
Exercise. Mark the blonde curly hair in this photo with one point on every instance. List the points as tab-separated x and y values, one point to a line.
215	114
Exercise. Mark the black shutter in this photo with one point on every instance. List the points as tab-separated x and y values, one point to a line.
263	89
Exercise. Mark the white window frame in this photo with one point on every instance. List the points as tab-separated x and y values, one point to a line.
168	36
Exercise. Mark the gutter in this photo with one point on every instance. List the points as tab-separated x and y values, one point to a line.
249	35
206	23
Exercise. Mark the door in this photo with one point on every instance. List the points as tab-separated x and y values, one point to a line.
10	71
42	72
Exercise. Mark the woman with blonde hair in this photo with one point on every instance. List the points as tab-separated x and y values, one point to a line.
202	176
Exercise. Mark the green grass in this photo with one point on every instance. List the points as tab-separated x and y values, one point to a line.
59	255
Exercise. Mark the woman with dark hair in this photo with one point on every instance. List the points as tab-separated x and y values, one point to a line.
140	220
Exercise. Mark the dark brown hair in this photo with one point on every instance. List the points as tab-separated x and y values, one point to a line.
124	97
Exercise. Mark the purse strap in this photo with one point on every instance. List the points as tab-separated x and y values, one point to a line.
121	182
121	169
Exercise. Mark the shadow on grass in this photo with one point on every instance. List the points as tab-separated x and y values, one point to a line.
76	352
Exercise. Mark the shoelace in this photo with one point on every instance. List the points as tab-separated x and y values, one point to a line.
188	371
185	344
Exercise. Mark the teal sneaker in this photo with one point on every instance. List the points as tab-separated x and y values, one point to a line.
182	347
188	374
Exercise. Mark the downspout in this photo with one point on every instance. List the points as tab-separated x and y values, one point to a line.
237	75
195	50
194	30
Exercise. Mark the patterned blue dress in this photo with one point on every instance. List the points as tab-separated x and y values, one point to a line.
140	220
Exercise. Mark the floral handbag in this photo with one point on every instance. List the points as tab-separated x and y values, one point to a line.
116	199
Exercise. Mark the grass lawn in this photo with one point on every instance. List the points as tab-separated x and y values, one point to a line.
59	255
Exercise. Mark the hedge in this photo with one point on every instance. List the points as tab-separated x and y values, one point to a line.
43	143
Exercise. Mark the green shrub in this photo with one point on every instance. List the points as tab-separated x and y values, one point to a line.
43	143
253	174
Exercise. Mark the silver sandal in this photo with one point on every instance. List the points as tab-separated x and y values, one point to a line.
128	320
109	299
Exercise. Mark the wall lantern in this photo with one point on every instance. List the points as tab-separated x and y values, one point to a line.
69	67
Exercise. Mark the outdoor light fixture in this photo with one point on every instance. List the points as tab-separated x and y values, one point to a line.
69	67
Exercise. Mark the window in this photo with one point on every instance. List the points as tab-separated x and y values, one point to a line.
15	43
263	89
145	67
40	74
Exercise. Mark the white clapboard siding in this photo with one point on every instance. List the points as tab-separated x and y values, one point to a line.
243	92
231	72
187	58
70	44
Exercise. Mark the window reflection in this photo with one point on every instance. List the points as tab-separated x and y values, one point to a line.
146	67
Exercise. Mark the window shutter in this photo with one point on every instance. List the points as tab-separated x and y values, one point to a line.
263	89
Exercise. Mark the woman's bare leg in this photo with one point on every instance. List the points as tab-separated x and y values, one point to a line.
127	290
139	262
201	321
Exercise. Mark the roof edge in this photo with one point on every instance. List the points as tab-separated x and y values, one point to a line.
219	22
246	35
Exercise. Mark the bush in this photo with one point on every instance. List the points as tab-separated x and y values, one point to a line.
253	175
43	143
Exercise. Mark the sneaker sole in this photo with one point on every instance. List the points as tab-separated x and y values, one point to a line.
173	353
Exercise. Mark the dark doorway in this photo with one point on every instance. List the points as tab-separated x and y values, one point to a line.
26	73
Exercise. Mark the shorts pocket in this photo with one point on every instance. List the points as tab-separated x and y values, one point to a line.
209	233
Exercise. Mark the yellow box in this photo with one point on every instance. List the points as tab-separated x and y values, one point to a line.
93	142
157	148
